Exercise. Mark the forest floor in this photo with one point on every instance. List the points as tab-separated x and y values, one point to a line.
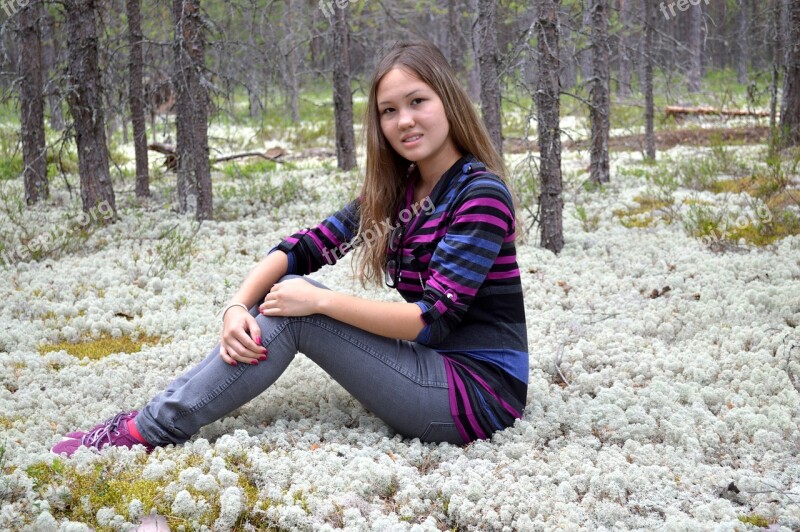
664	383
665	140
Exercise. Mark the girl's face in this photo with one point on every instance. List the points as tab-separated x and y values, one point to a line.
413	120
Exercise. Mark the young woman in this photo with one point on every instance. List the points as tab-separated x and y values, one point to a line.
435	220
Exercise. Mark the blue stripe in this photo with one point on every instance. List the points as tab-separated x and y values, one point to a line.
515	363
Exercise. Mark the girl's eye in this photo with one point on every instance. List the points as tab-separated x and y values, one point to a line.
387	110
416	101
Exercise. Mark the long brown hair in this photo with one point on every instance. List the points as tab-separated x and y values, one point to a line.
386	170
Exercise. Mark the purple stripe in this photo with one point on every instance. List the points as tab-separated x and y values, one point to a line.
513	411
462	392
317	241
482	218
327	232
410	287
451	390
485	202
473	421
503	275
506	259
431	223
438	280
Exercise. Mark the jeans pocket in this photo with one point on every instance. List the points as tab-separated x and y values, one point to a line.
439	432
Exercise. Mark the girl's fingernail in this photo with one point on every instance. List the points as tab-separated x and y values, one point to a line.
233	362
254	362
265	350
262	357
258	339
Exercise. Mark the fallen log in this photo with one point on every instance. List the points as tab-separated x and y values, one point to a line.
679	111
171	162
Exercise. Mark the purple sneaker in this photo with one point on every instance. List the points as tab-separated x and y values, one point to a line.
111	432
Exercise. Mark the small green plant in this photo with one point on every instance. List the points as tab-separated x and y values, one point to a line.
650	209
756	520
589	222
253	170
174	250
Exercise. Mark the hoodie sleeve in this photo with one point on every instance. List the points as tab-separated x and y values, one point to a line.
310	249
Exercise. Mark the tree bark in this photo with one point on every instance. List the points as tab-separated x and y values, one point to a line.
649	105
455	37
743	46
777	60
601	105
625	48
194	167
31	99
136	97
790	105
489	58
50	52
342	92
86	106
551	203
695	46
584	38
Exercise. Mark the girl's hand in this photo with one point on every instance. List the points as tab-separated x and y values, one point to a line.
241	338
294	297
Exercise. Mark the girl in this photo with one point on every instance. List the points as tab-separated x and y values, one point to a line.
435	220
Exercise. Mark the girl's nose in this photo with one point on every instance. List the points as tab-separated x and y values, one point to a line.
406	119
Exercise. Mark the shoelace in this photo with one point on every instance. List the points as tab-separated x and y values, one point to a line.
104	431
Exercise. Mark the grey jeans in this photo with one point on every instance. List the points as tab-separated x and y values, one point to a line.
403	383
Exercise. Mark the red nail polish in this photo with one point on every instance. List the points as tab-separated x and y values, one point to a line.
233	362
262	357
258	339
254	362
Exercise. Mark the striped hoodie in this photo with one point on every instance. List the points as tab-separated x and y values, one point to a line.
458	263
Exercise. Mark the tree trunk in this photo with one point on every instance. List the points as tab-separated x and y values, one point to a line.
743	46
489	58
601	105
584	37
790	105
194	167
136	97
86	106
551	203
777	60
455	37
695	45
294	87
649	106
625	48
31	100
50	51
342	92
